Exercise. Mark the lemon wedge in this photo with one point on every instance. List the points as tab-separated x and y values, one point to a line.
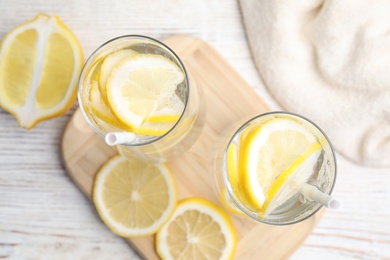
40	61
137	86
266	151
134	198
198	229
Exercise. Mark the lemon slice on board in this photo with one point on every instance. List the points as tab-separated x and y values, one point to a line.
137	86
134	198
266	151
290	181
198	229
40	61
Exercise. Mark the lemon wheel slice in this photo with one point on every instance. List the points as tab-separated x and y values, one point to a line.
198	229
134	198
290	181
137	86
154	129
40	62
169	110
99	107
266	151
109	62
228	203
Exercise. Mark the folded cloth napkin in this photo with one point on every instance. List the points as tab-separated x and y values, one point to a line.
328	60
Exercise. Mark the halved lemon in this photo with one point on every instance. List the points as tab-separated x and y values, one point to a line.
40	61
198	229
137	86
134	198
266	152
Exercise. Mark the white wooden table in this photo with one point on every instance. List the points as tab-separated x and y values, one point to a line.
44	216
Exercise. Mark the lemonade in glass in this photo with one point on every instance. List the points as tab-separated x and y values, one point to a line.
136	92
271	166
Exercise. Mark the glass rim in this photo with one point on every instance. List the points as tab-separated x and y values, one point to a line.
230	189
142	37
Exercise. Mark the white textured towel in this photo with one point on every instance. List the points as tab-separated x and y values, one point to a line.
329	61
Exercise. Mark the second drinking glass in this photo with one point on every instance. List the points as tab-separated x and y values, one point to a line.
278	168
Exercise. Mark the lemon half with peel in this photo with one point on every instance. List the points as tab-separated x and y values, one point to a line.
134	198
198	229
40	61
137	86
266	152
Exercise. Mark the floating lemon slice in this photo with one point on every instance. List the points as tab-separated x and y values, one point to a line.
109	62
232	165
169	110
228	203
99	107
291	180
134	198
137	86
266	151
198	229
154	129
40	62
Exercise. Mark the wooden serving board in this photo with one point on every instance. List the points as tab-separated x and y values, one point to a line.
228	99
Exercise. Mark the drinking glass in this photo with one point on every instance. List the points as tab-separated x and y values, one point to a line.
154	149
230	188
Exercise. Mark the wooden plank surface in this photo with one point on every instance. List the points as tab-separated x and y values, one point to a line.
228	100
43	215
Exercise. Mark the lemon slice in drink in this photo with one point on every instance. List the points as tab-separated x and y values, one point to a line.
228	203
169	110
154	129
198	229
232	165
109	62
136	86
290	181
134	198
40	62
266	151
232	172
99	107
